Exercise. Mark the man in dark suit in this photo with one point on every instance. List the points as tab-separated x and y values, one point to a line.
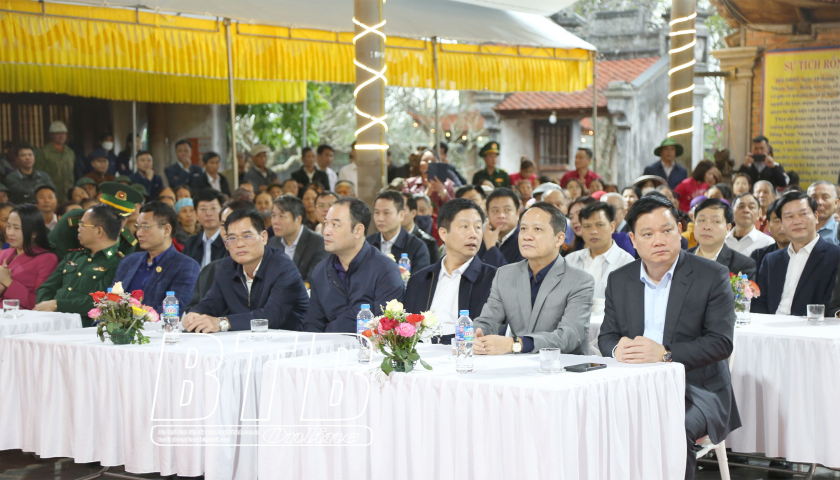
460	280
208	245
412	228
802	274
671	306
774	225
159	268
308	173
302	245
388	213
256	281
712	220
667	167
501	239
211	177
759	164
183	171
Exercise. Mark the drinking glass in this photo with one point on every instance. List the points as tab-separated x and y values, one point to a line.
550	360
816	314
259	329
10	308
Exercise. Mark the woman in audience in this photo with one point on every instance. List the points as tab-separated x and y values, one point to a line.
740	184
323	202
436	190
182	191
5	211
596	185
704	174
264	202
76	195
527	171
631	194
721	191
187	220
311	219
575	189
574	220
28	262
611	188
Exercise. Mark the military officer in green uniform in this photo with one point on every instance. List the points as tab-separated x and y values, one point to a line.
88	269
498	177
63	238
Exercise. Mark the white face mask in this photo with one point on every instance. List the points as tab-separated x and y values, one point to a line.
108	146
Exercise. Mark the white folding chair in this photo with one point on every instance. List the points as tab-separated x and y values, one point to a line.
720	452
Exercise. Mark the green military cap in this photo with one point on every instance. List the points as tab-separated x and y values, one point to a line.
141	189
667	143
489	147
124	180
85	181
3	188
120	196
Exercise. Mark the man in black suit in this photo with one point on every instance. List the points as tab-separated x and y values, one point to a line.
412	228
802	274
667	167
207	245
460	280
712	220
774	225
759	165
211	177
308	173
300	243
671	306
388	212
501	239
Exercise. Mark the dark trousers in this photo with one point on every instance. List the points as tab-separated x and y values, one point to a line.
695	429
442	339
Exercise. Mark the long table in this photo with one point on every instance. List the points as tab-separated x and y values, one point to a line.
330	417
172	409
30	322
786	378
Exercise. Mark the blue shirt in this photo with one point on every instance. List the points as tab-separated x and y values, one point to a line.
339	270
829	231
656	303
153	186
144	272
536	283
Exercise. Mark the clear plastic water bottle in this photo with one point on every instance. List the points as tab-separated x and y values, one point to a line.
171	319
464	333
405	267
362	319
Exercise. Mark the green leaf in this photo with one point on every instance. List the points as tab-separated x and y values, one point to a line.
414	356
409	366
399	352
113	327
386	366
425	365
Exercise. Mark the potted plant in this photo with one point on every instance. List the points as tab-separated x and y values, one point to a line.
395	333
121	315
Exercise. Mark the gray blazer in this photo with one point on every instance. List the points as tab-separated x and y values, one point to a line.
560	315
309	251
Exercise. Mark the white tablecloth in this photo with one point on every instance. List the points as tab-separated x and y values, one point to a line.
66	394
595	322
786	378
31	322
504	421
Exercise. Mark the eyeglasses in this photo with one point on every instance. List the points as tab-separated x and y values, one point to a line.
145	227
248	238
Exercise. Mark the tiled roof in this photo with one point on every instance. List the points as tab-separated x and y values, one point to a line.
608	71
448	121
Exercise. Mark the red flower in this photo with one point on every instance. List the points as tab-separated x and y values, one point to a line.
97	296
414	318
731	274
387	324
367	333
756	290
113	297
137	295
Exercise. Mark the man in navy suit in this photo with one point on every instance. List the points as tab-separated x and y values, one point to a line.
159	268
182	172
805	272
501	238
458	281
393	239
667	167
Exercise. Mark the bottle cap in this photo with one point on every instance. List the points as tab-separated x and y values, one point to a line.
170	294
464	313
365	306
109	290
404	255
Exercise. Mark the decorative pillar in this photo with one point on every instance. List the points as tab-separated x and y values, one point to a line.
370	64
737	113
683	39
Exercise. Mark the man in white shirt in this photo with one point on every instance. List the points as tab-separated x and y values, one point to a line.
744	238
802	274
601	255
349	172
325	159
459	281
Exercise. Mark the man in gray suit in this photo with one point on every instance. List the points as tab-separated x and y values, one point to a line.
545	302
302	245
671	306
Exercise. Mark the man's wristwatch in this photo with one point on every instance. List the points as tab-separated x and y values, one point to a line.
517	345
666	357
224	324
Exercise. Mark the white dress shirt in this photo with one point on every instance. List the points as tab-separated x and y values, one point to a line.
349	172
656	303
216	184
385	247
506	237
290	249
208	243
749	243
601	266
249	279
794	272
445	301
333	178
667	169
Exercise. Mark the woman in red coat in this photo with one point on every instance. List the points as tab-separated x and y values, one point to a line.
704	175
28	261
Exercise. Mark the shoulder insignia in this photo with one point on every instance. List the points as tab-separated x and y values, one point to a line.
100	269
74	221
70	263
120	254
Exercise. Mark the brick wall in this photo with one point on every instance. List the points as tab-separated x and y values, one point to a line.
774	41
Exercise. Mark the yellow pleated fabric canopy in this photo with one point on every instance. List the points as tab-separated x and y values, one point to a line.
122	54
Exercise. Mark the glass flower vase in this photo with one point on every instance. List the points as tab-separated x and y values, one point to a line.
742	310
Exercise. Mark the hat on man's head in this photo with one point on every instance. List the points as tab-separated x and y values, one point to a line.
85	181
119	196
489	147
42	186
3	188
258	149
666	143
98	153
124	180
141	189
58	127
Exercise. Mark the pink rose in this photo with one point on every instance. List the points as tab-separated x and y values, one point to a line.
405	329
94	313
153	316
134	302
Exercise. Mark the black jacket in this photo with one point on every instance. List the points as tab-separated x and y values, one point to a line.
775	175
195	248
699	326
206	277
309	251
430	242
736	262
758	255
302	179
372	278
417	251
472	292
277	294
200	182
504	255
